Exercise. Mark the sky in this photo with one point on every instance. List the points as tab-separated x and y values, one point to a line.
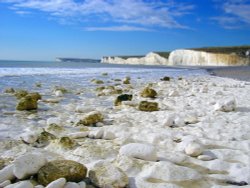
46	29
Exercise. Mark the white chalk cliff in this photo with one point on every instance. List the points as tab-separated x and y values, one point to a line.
185	58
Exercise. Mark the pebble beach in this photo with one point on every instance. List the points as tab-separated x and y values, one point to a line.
170	132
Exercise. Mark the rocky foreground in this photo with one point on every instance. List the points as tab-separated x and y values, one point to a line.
171	133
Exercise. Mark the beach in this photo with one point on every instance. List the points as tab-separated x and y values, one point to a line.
128	128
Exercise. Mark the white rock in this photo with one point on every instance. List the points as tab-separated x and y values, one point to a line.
22	184
59	183
82	184
144	183
78	134
227	105
140	151
39	186
97	134
5	183
29	164
7	173
191	120
72	185
173	93
205	157
58	93
193	149
169	172
104	174
54	120
204	90
29	137
169	121
108	135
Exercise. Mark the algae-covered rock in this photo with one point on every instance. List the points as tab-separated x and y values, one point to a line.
54	128
35	96
97	81
165	78
148	92
9	90
91	118
148	106
104	74
67	142
70	170
124	97
27	103
44	138
126	80
60	88
21	93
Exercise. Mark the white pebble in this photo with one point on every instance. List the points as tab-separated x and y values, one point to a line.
108	135
5	183
169	121
227	105
78	134
29	137
97	134
173	93
54	120
205	157
71	185
82	184
58	93
7	173
140	151
193	149
59	183
39	186
28	164
22	184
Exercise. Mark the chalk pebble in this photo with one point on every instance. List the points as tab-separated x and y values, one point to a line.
5	183
140	151
227	105
28	164
29	137
71	185
7	173
22	184
59	183
193	149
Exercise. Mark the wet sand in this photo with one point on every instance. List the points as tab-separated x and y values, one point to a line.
238	73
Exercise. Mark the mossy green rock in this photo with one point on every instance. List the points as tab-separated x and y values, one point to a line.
9	90
124	97
166	78
126	80
91	118
70	170
67	142
44	138
148	92
97	81
21	93
35	96
148	106
27	103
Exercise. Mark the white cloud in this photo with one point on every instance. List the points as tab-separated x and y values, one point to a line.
118	28
236	13
142	13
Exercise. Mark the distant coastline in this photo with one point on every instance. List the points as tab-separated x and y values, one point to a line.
59	59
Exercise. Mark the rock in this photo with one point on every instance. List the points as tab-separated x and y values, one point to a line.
54	128
191	120
39	186
20	94
58	93
35	96
27	165
96	134
59	183
205	157
70	170
5	183
9	90
29	137
123	97
60	88
22	184
7	173
193	149
139	151
66	142
91	118
164	171
27	103
78	134
126	80
241	183
104	74
82	184
97	81
227	105
44	138
108	135
71	185
148	106
104	174
173	93
165	78
169	121
148	93
54	120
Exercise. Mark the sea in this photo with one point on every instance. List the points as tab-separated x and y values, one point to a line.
75	77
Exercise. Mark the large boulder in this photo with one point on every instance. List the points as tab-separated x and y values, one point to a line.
148	106
27	103
70	170
21	93
124	97
148	92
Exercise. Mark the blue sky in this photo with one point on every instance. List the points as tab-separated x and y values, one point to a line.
45	29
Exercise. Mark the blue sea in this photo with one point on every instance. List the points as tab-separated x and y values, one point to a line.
24	74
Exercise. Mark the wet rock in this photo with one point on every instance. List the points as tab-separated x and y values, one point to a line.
126	80
91	118
58	93
104	174
21	184
70	170
227	105
54	128
5	183
38	84
67	142
173	93
193	149
71	185
9	90
165	78
21	93
97	81
148	106
205	157
124	97
29	137
104	74
78	134
241	183
148	93
44	138
139	151
27	103
96	134
27	165
35	96
60	88
82	184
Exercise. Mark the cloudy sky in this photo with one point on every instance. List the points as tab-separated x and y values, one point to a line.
45	29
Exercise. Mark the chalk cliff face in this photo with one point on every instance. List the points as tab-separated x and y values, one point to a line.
199	58
150	59
184	58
